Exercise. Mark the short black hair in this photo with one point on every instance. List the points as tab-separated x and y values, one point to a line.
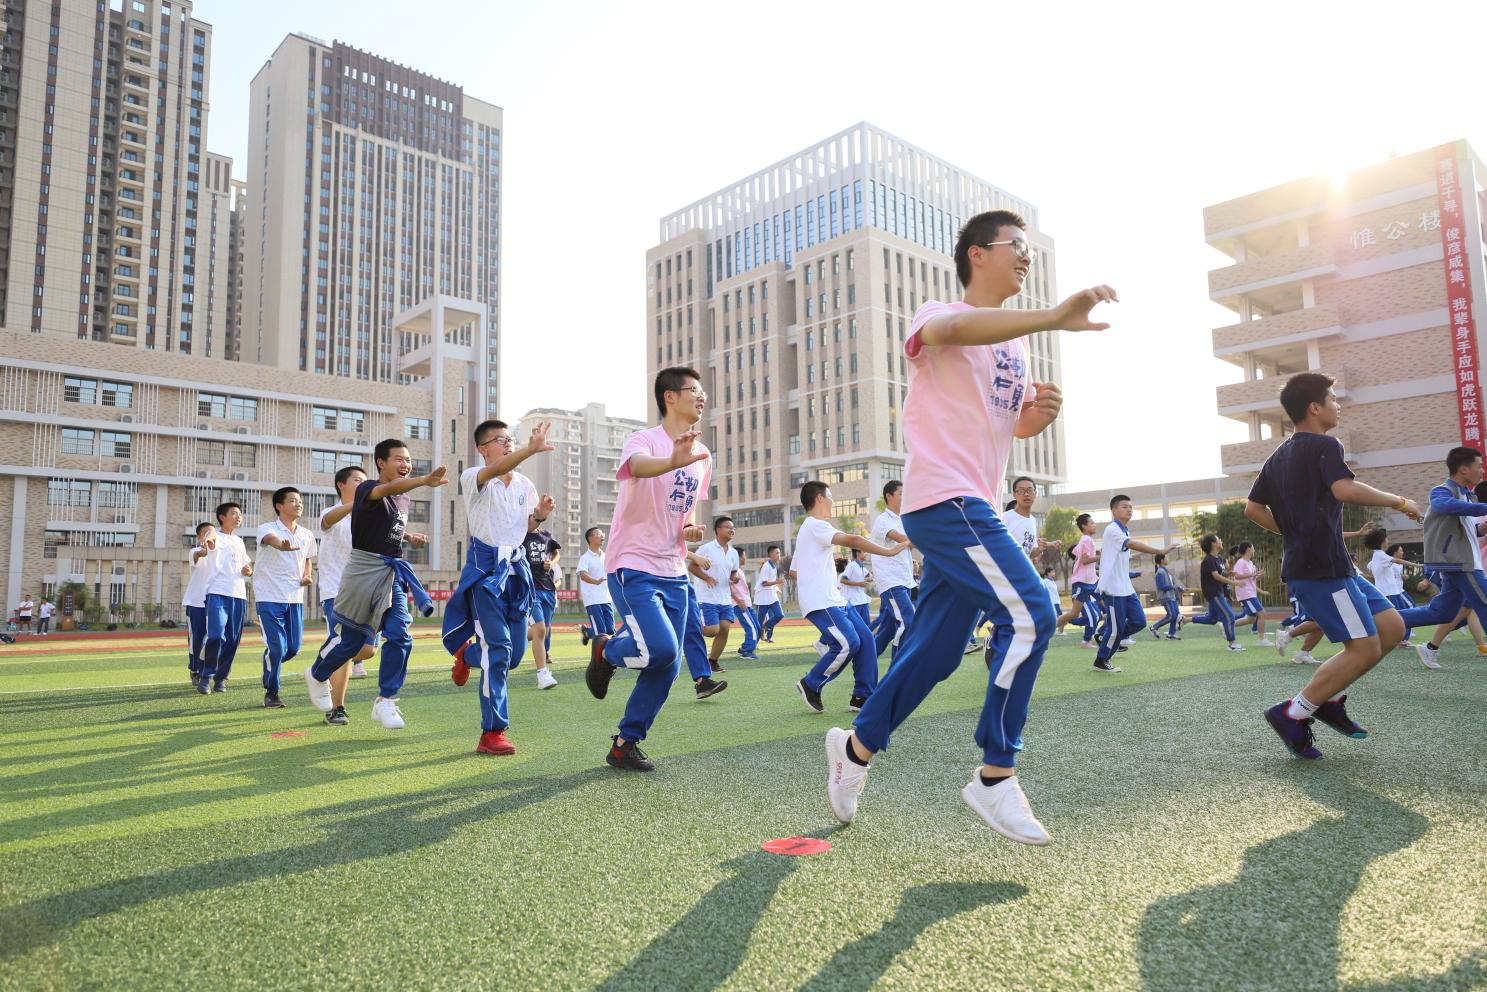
720	521
891	486
1207	543
742	555
673	378
344	472
774	547
385	448
280	495
841	564
1481	491
1394	550
1010	503
980	230
1081	520
1119	498
484	427
203	526
224	508
1456	458
588	534
810	492
1301	391
1024	478
1159	560
1374	539
1239	549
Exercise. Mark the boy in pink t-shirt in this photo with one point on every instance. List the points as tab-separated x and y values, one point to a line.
970	395
664	472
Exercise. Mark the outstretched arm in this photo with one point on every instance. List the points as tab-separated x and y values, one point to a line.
993	325
1362	494
860	543
397	487
508	463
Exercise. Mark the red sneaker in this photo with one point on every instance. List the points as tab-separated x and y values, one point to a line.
460	673
494	742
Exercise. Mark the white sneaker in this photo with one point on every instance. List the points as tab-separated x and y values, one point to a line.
974	645
359	670
1004	808
1126	643
319	691
1236	647
545	679
1427	656
1303	658
386	712
1282	641
844	777
1265	642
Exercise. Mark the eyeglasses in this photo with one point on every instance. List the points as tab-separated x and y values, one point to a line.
697	391
501	439
1024	491
1020	248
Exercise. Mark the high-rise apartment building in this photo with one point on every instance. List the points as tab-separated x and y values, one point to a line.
103	128
371	187
792	290
217	328
1377	280
580	472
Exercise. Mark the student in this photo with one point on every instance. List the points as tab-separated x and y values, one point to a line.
1299	494
1386	568
376	583
969	396
593	588
194	599
1452	528
1124	615
1050	583
44	616
335	548
767	585
743	607
226	600
542	558
1211	581
711	585
663	473
493	600
23	613
694	646
1246	578
894	576
845	634
1167	596
1084	582
285	550
854	584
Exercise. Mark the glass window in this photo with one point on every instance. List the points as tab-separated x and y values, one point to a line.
418	428
243	408
243	455
324	418
75	390
76	441
211	405
352	420
119	394
211	453
116	444
118	495
323	461
69	492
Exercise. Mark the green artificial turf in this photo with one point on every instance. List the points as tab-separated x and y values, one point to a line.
151	838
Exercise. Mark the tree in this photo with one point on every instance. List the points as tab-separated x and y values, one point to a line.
1232	526
1058	525
849	524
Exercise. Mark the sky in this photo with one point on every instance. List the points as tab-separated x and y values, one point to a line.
1119	121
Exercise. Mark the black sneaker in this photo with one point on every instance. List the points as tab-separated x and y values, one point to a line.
709	687
1122	648
812	697
628	756
1105	666
1335	715
987	656
600	671
855	703
271	701
220	685
195	679
337	717
583	636
716	666
203	686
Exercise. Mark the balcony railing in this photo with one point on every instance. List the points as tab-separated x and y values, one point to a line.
1283	328
1302	263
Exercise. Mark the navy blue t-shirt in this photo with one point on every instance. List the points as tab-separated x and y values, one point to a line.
1296	483
377	525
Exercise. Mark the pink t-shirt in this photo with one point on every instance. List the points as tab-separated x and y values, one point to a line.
739	587
962	407
1244	571
646	533
1087	574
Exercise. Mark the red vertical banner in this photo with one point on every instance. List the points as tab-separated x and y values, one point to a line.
1459	295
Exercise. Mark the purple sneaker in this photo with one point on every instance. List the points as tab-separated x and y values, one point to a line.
1333	715
1295	734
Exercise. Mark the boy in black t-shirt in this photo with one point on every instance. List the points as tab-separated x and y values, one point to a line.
1212	579
542	557
1299	495
375	584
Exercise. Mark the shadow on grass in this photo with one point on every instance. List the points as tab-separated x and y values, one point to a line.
1277	924
354	832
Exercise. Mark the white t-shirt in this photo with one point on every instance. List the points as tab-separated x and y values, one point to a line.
855	595
592	562
722	563
1024	530
1052	587
890	573
1388	575
25	608
815	569
196	586
335	549
45	610
226	564
1115	561
276	574
766	595
497	512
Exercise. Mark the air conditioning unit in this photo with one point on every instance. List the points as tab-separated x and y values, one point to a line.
126	469
239	476
240	430
128	418
202	474
351	440
203	427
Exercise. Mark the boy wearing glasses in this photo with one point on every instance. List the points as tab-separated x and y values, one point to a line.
495	592
663	473
970	395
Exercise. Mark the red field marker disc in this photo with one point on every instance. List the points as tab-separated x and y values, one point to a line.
287	733
796	846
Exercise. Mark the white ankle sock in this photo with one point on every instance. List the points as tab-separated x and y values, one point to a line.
1301	708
